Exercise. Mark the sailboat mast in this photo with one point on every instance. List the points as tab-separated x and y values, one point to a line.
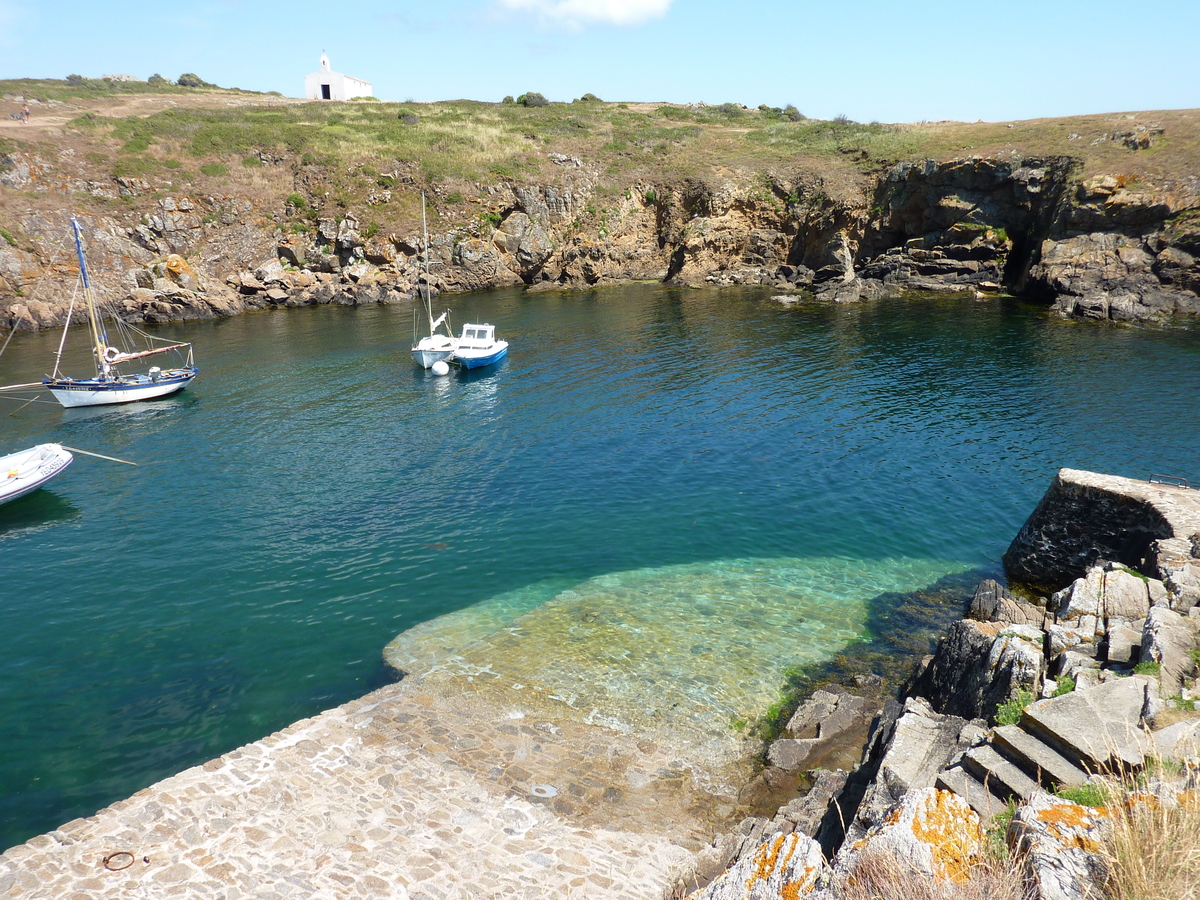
98	344
425	238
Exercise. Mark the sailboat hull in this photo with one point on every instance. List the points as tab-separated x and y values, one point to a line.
73	392
434	348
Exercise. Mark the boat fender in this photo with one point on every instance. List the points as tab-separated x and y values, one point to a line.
111	354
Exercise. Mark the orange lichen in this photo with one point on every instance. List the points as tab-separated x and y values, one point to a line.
946	825
1072	824
767	859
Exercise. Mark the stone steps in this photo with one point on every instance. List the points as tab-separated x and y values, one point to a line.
1044	763
999	773
966	785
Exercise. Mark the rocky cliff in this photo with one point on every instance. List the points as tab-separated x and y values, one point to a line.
1109	247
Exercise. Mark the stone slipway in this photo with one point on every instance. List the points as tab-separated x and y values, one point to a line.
404	793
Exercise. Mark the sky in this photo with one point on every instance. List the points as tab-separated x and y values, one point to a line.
870	60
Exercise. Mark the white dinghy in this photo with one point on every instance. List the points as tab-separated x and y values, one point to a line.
28	470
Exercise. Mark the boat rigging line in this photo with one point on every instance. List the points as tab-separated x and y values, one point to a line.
97	455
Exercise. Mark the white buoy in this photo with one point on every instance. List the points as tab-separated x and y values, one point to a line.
441	367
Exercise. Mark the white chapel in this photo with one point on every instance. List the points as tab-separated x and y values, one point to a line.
326	84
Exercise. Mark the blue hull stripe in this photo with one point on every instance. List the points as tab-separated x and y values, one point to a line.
114	386
482	361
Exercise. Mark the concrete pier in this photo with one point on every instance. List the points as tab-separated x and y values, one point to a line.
403	794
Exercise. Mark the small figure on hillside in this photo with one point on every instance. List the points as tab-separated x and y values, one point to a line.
24	113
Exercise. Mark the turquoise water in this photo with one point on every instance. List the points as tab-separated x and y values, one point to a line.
313	495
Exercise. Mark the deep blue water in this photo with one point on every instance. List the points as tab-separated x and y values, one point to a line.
314	494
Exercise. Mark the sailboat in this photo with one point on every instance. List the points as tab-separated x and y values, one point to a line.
436	347
110	384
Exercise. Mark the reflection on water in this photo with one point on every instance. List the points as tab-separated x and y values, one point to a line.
34	512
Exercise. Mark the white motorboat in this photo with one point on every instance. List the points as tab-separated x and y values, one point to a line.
28	470
478	347
110	384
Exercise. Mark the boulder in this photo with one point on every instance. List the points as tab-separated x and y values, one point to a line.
1059	842
1123	643
787	865
180	271
993	603
826	714
1126	593
932	833
979	665
919	745
1169	639
791	755
1179	741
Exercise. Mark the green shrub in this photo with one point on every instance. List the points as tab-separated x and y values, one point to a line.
1092	795
792	114
75	80
456	197
12	241
1065	685
191	79
508	99
407	118
1147	667
297	200
532	99
590	98
172	163
252	162
156	79
1009	712
214	169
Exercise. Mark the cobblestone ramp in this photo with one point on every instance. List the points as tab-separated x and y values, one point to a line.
395	795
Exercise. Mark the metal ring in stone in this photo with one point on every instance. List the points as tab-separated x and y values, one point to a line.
115	862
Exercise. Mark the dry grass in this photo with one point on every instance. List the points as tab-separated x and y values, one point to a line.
196	141
1153	849
884	877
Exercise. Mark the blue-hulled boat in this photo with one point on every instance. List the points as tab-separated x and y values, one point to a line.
478	347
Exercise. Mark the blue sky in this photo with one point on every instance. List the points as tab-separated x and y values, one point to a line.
886	61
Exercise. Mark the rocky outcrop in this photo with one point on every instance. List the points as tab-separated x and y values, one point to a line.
1122	249
972	735
1110	247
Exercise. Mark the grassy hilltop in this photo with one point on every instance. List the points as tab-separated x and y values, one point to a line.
227	141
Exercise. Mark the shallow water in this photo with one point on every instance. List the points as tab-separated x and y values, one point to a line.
313	495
